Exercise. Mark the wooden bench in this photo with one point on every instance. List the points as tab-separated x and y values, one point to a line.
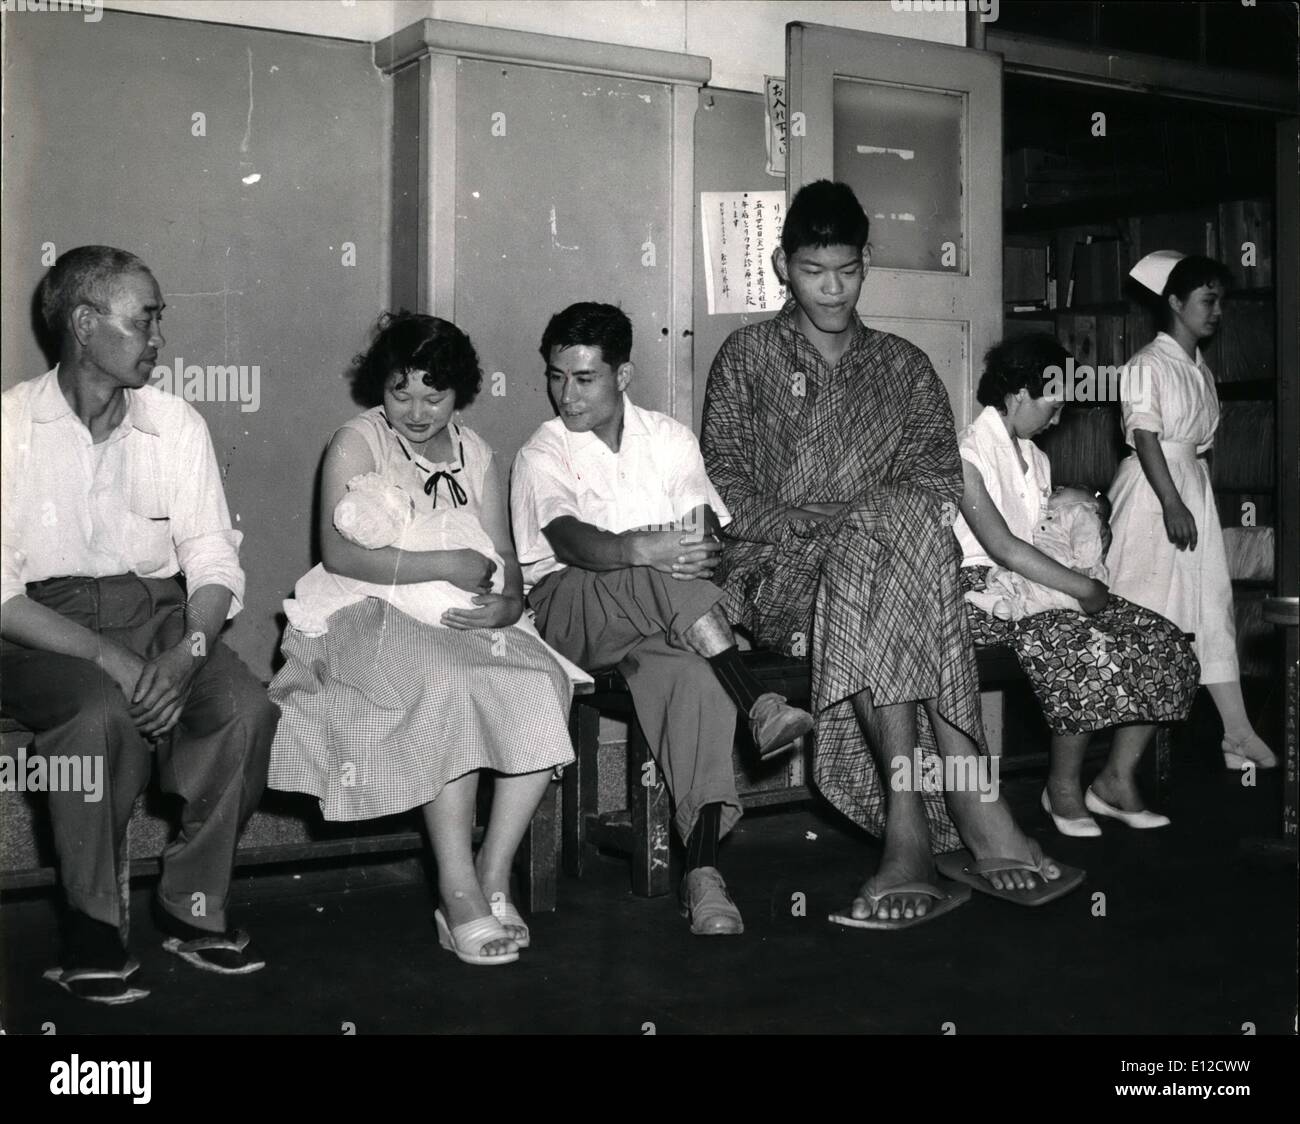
642	830
286	828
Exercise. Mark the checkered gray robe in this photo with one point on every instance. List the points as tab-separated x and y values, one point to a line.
872	596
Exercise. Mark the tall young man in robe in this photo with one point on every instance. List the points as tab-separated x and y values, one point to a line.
834	449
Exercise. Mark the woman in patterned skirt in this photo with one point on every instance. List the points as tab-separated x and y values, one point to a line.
1113	664
383	712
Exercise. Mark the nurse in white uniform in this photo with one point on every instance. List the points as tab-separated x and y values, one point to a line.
1168	552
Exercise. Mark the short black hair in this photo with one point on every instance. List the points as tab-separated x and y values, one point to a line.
1186	277
1192	272
589	324
823	213
408	341
84	275
1021	361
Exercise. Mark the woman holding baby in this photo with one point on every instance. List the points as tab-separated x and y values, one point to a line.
1033	569
408	669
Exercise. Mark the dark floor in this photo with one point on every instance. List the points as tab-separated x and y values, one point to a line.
1197	934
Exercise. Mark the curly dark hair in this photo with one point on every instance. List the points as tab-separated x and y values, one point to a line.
1022	361
408	342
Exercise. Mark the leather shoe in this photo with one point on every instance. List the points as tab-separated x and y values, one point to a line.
776	725
711	911
1084	827
1141	820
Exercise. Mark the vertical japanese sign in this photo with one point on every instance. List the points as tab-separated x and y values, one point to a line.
741	229
776	112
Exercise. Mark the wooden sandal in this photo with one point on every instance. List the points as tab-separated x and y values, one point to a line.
99	985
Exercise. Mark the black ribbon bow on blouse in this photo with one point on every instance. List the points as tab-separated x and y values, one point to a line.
454	490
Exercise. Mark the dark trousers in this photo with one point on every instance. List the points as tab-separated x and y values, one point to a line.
215	758
634	619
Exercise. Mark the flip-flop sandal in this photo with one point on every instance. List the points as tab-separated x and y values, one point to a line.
961	866
220	952
504	911
99	985
945	900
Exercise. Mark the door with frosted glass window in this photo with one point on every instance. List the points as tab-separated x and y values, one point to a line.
915	128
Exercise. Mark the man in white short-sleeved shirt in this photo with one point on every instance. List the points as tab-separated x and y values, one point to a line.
112	496
615	524
656	478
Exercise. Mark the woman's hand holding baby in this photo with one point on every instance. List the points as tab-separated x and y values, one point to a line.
497	610
1096	599
467	569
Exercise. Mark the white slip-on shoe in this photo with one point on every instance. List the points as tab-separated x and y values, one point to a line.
1141	820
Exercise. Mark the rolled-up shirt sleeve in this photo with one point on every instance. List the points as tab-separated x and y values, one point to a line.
690	486
207	547
540	493
1139	399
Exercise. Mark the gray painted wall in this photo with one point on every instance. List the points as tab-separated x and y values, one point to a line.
558	210
99	147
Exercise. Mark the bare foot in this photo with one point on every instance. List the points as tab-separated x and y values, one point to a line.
990	832
895	871
1031	853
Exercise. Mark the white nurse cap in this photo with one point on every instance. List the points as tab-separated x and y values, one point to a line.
1152	272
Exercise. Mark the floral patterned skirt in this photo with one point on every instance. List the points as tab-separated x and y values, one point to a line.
1125	664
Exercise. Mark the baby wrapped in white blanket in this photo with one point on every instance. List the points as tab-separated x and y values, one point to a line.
374	514
1072	532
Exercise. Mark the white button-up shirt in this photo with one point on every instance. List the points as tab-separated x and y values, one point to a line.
657	476
148	500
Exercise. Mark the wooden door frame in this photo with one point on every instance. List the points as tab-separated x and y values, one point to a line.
972	295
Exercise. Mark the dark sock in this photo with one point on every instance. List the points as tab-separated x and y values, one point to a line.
702	847
88	943
173	926
736	679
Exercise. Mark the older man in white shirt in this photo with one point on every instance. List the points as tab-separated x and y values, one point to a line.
616	523
112	496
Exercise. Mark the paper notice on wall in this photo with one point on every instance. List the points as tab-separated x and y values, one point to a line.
741	229
776	113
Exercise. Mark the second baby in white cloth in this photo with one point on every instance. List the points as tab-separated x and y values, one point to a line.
1073	532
